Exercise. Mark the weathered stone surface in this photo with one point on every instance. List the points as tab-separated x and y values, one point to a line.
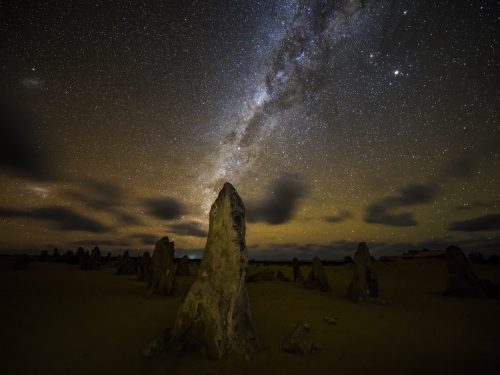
281	276
462	282
364	283
144	268
215	315
183	267
300	341
162	276
261	276
317	277
297	274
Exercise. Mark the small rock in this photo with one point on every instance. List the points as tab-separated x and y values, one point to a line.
331	321
300	341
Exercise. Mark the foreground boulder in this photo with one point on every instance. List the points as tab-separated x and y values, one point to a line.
183	267
162	277
215	315
144	268
364	283
317	277
297	274
462	281
300	341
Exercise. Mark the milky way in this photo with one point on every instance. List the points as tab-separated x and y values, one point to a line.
298	66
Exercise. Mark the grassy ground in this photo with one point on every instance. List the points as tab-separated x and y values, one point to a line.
57	319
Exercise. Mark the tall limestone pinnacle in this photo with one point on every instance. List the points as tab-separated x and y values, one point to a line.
215	315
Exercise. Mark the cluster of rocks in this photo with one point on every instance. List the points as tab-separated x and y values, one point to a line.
84	259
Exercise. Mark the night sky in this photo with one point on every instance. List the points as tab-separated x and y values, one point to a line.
336	121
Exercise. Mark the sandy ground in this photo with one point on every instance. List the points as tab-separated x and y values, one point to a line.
57	319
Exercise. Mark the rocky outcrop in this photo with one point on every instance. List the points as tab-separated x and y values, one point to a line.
162	276
297	274
183	267
317	277
462	281
364	283
215	315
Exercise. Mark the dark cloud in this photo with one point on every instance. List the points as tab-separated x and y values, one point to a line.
62	218
100	243
165	208
191	228
145	238
106	197
22	154
381	211
281	200
481	223
340	216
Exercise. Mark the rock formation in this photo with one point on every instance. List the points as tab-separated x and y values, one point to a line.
317	277
79	255
182	267
281	276
56	257
84	260
300	341
261	276
215	315
364	283
95	259
462	281
162	277
297	274
68	257
144	267
126	265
